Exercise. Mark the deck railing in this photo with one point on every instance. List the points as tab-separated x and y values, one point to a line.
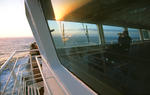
19	81
8	60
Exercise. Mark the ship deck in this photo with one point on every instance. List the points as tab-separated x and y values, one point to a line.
30	77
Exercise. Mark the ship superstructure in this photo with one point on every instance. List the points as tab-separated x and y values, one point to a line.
90	47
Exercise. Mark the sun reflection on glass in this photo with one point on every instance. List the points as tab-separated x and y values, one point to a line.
64	7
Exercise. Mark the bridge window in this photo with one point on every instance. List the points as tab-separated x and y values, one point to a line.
111	33
146	34
134	34
114	67
71	34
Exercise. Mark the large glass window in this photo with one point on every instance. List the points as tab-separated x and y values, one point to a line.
110	69
110	59
71	34
134	34
111	33
146	34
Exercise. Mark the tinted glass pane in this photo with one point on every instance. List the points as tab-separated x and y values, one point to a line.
146	34
134	34
110	61
111	33
109	69
71	34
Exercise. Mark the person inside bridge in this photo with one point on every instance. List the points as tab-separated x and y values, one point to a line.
124	41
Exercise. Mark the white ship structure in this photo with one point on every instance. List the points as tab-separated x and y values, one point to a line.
84	47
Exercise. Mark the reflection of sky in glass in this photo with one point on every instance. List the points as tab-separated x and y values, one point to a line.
111	33
146	34
72	27
112	27
75	34
54	25
134	34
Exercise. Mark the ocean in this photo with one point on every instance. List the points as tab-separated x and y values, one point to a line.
9	45
82	40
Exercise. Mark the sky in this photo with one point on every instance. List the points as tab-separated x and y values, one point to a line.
13	21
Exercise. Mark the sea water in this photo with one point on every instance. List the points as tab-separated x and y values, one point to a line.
9	45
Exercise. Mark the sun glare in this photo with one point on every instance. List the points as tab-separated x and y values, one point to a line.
13	22
64	7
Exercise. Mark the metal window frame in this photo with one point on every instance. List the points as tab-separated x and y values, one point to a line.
41	32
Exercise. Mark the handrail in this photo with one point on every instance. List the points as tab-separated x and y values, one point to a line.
44	80
7	62
16	83
9	77
27	50
12	70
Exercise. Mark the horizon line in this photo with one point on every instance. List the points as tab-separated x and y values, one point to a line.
19	37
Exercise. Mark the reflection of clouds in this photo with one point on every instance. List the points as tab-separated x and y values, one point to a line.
70	35
68	31
66	38
64	7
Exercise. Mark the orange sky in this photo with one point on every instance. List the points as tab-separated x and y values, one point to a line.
13	22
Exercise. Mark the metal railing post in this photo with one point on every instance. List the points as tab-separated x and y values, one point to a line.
7	62
9	77
13	74
44	80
